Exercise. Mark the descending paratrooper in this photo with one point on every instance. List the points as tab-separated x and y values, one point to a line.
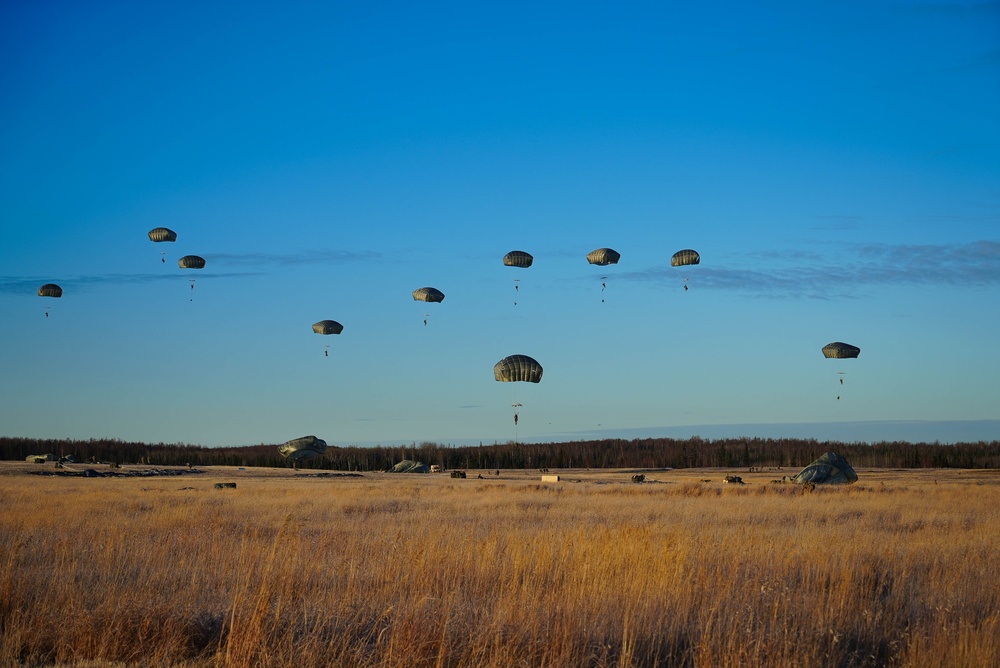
160	235
684	258
326	328
520	259
602	257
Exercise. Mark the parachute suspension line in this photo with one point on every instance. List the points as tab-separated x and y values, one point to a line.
192	289
516	290
516	405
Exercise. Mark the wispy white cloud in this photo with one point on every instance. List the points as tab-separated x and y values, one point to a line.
843	270
30	284
257	264
260	259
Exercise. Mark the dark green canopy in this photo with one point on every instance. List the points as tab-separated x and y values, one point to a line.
162	234
50	290
830	469
517	368
428	295
518	259
328	327
840	350
603	256
685	257
191	262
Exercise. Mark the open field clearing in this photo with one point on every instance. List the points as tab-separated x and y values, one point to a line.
306	569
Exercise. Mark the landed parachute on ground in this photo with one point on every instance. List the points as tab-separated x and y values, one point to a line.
518	368
159	234
303	448
50	290
409	466
838	350
518	258
830	469
428	295
603	256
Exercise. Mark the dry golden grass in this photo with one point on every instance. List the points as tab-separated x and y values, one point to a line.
383	570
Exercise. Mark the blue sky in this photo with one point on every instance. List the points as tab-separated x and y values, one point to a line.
836	164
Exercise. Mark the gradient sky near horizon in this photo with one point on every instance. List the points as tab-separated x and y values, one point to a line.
836	164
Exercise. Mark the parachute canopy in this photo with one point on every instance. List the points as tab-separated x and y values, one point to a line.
831	469
685	257
50	290
518	258
162	234
303	448
603	256
518	368
428	295
191	262
409	466
328	327
840	350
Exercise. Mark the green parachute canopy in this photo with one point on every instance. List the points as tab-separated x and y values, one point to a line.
50	290
518	258
328	327
603	256
840	350
428	295
409	466
685	257
303	448
159	234
830	469
518	368
191	262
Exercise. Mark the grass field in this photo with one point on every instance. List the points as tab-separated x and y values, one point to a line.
425	570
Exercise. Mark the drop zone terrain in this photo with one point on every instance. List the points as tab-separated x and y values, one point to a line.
307	568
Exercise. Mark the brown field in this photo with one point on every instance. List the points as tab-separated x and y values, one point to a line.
425	570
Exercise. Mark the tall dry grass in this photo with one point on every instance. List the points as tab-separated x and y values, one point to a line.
398	571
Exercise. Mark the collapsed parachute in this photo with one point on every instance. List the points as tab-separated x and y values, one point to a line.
409	466
830	469
50	290
428	295
603	256
302	448
838	350
159	234
518	368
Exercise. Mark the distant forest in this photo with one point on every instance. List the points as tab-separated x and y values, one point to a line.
608	453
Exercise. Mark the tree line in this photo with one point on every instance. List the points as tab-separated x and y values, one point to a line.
643	453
